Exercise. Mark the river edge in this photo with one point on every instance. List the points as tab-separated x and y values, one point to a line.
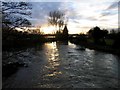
11	68
74	50
101	48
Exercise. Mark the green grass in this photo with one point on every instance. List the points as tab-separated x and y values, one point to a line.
109	42
90	40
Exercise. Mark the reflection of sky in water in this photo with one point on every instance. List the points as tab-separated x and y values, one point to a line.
53	59
62	65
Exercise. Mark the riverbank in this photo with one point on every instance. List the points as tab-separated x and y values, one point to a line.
16	47
67	68
10	68
9	44
102	48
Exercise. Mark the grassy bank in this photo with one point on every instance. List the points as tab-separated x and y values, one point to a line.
104	48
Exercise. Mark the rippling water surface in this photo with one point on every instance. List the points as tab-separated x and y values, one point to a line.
63	65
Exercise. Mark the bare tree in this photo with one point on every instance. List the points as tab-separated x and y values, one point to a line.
56	18
60	23
13	15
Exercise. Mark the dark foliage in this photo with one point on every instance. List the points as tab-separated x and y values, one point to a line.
96	33
13	15
117	41
62	35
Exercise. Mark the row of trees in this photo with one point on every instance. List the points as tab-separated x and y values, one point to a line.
99	36
99	39
15	15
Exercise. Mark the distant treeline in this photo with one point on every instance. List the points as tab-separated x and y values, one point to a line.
15	38
100	39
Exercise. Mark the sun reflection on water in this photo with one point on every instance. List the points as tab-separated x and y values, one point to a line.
53	60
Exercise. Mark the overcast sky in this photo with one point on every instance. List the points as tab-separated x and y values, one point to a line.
82	14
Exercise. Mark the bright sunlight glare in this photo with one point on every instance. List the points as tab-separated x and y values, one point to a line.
48	29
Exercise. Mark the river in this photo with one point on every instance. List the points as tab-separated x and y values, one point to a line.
63	65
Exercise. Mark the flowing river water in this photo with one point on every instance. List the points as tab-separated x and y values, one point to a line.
63	65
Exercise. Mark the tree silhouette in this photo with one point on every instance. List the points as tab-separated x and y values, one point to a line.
13	16
60	23
62	35
116	43
56	18
97	34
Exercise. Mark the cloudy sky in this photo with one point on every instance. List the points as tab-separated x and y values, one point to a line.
82	14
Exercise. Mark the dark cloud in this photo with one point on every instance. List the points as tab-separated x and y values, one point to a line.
41	10
113	5
119	4
110	10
